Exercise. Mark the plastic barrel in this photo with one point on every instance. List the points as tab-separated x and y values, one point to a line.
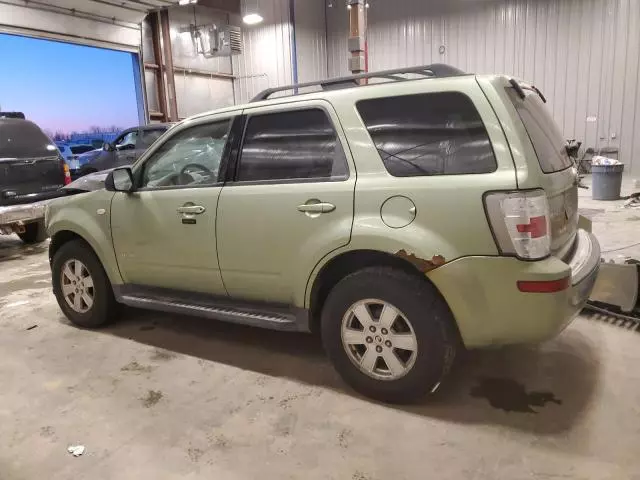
607	181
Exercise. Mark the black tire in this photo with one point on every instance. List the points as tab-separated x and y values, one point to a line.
34	232
105	308
424	308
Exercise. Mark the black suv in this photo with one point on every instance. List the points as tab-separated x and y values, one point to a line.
31	173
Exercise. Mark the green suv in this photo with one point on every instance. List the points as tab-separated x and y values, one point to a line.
402	219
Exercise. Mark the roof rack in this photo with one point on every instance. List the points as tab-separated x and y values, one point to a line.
436	70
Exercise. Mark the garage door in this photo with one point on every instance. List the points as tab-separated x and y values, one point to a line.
92	22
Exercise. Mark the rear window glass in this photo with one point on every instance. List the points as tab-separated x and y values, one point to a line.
545	135
77	149
20	139
428	134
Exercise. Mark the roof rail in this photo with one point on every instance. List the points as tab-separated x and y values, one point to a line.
435	70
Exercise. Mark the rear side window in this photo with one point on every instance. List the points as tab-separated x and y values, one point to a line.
298	144
428	134
545	135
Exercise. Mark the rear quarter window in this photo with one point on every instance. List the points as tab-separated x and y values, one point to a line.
428	134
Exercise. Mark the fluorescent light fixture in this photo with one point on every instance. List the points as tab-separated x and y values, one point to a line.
187	2
252	18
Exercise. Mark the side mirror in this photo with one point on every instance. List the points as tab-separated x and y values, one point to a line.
120	180
107	147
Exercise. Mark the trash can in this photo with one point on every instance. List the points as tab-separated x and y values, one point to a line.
606	181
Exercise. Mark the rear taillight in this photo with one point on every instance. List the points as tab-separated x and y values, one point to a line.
520	223
67	173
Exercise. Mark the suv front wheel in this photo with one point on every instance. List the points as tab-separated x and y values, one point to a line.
389	334
81	286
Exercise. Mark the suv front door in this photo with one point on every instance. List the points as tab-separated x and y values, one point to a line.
288	203
126	150
164	233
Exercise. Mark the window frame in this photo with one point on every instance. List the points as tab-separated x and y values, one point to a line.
140	168
234	166
429	92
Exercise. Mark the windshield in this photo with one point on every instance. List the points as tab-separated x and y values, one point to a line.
20	139
545	135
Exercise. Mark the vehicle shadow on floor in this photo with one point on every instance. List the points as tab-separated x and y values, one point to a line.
539	389
12	248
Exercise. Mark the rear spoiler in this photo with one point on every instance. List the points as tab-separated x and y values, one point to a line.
520	87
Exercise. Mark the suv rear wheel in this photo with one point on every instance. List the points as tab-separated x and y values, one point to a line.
389	334
34	233
81	286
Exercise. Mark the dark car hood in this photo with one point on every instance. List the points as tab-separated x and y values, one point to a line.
90	182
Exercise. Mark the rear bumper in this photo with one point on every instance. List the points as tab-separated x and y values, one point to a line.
489	309
16	214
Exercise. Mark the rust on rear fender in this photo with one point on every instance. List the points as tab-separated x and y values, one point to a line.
420	263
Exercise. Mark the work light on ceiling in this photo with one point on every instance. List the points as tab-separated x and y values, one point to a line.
251	15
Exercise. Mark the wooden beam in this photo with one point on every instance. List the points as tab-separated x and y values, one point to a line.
154	22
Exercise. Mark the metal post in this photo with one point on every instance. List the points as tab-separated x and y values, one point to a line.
168	58
357	34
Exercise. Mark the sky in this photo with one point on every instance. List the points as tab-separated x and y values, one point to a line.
66	87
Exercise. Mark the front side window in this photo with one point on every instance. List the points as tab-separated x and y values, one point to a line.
188	159
149	136
428	134
127	141
298	144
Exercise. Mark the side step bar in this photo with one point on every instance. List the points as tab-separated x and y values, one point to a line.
245	313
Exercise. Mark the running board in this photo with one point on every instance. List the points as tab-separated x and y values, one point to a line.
245	313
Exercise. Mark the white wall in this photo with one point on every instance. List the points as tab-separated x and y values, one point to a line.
266	51
583	54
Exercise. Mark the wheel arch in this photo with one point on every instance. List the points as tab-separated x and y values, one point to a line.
345	263
67	234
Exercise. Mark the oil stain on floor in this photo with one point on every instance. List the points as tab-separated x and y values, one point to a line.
508	395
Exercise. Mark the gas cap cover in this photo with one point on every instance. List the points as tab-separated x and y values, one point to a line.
398	211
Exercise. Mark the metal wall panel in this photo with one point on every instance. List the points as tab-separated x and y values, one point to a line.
311	45
266	50
184	47
197	94
583	54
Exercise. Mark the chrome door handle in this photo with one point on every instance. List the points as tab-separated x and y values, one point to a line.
316	207
192	210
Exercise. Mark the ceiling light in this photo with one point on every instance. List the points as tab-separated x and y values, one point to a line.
187	2
252	18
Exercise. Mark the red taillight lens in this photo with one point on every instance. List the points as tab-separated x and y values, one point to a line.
67	174
537	227
547	286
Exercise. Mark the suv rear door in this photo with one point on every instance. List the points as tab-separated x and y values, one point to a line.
287	203
30	165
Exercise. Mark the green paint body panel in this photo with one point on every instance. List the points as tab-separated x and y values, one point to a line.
489	309
79	214
252	242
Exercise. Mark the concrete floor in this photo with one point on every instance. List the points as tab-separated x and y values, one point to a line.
163	397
